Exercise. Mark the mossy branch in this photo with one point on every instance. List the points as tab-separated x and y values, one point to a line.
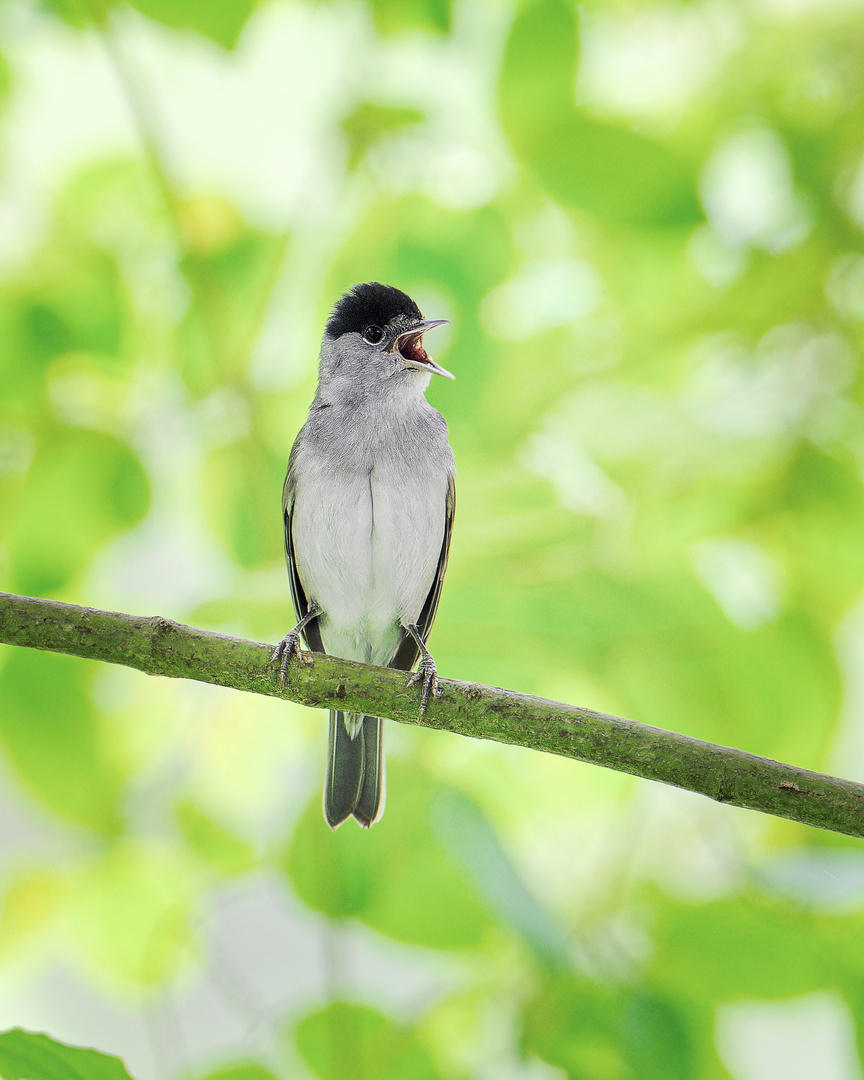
159	646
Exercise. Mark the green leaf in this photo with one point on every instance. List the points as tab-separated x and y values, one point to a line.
241	1072
730	949
82	488
80	13
52	737
656	1039
396	877
613	173
212	841
593	1032
332	874
393	16
539	70
352	1042
78	304
25	1055
365	125
221	20
573	1025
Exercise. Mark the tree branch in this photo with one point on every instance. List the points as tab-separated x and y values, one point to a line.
159	646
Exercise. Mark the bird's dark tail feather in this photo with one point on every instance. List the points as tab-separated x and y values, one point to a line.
355	771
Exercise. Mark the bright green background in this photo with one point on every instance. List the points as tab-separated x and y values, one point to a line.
645	224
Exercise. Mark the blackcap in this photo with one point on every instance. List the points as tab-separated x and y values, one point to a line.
368	506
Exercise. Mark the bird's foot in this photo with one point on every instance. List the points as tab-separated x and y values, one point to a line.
427	675
283	652
291	644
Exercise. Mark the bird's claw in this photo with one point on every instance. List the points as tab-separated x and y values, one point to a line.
282	654
427	675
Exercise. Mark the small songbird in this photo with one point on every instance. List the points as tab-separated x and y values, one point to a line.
368	505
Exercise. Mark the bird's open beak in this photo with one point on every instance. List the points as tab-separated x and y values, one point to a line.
410	347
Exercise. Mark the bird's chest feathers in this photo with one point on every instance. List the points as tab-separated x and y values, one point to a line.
369	519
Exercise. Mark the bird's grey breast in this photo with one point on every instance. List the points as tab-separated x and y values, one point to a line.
409	479
369	511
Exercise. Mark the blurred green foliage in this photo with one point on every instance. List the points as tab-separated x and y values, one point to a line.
355	1041
53	735
657	320
401	881
23	1053
241	1072
367	123
608	170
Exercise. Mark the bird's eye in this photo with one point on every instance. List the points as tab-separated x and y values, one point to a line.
373	334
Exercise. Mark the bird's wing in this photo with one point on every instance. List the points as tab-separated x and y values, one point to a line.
406	652
311	631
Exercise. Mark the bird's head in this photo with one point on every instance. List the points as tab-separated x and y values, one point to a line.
375	333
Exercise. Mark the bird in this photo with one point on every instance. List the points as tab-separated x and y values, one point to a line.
368	506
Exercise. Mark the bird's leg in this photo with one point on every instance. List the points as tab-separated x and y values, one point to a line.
291	644
426	673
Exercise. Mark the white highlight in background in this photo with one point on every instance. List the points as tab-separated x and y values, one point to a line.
580	484
544	294
801	1039
744	580
748	192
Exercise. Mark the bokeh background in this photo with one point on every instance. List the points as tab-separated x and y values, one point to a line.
644	221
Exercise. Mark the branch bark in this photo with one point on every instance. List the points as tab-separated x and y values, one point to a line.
159	646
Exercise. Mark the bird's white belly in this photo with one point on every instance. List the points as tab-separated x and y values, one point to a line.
408	529
367	548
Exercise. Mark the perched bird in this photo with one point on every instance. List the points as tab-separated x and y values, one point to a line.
368	505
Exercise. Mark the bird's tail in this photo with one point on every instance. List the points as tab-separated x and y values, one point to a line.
355	769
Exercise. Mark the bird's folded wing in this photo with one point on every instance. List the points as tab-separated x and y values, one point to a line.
311	631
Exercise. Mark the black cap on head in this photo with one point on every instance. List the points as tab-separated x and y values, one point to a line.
369	304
